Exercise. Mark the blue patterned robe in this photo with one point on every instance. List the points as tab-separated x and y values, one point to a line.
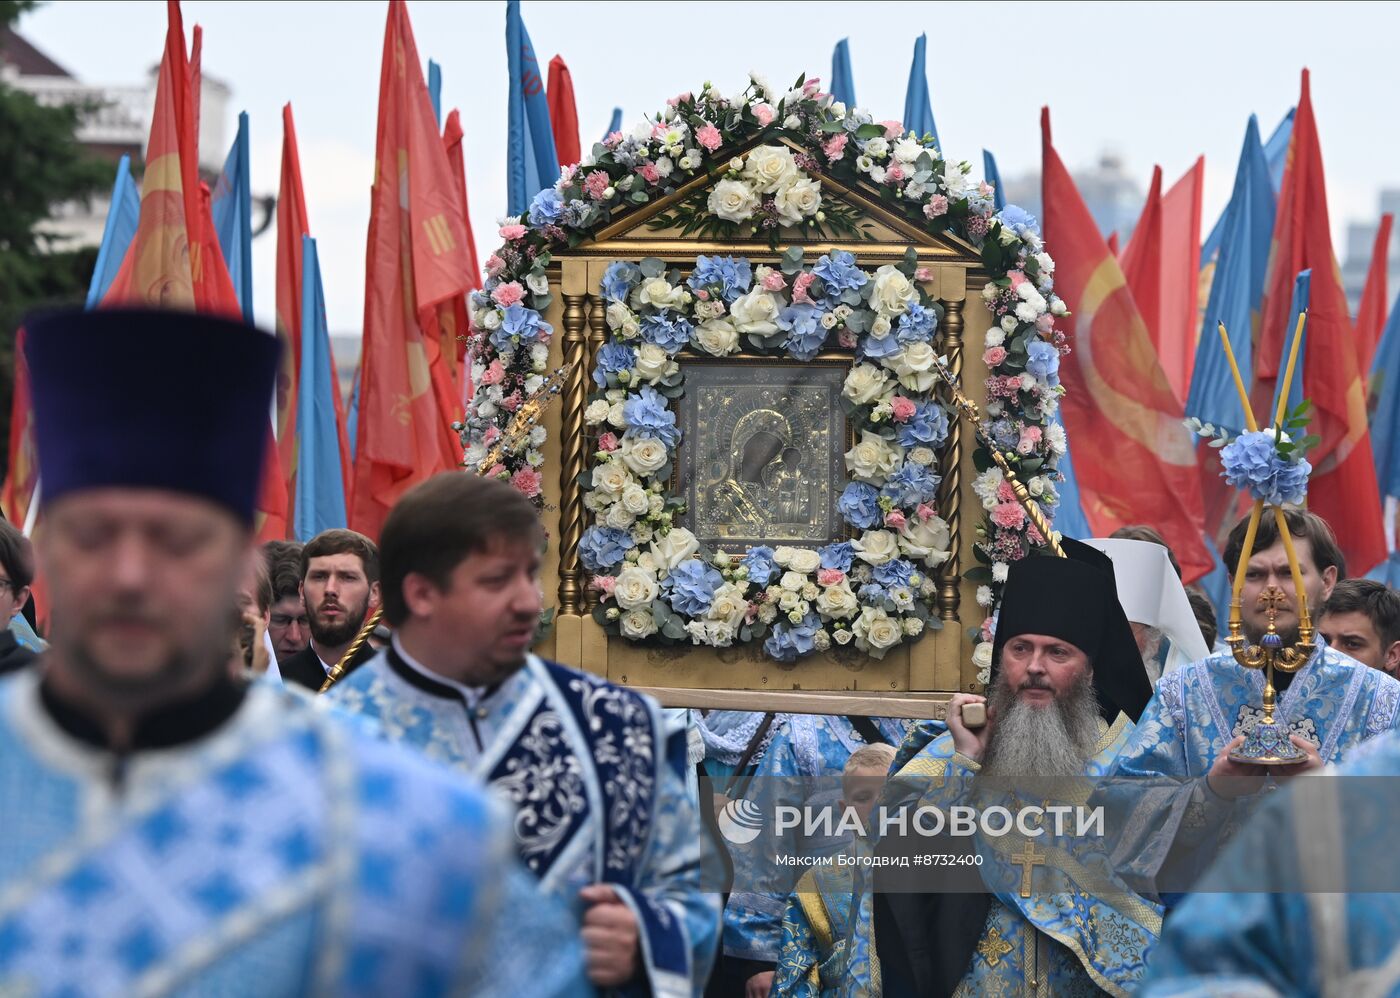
801	767
1079	933
597	780
815	926
1304	901
283	854
1166	820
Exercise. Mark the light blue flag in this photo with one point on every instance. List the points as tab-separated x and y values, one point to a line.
1216	585
1385	407
616	124
531	164
232	208
1236	290
1276	155
918	112
320	490
1387	573
1302	293
1069	514
993	177
435	89
122	219
843	84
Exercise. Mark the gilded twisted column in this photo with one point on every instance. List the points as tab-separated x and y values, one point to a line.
597	336
950	501
573	448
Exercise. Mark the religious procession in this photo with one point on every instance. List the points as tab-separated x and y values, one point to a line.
774	556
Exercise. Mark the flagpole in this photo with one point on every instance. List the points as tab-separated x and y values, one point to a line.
31	515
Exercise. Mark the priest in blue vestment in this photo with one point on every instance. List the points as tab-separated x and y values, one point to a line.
168	829
595	773
1304	901
1173	794
1030	907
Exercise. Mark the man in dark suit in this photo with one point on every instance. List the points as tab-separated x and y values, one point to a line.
339	588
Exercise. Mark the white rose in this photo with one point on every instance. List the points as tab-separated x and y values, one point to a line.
621	319
921	455
539	356
805	560
733	201
486	409
538	283
798	200
636	500
1057	306
793	581
982	655
616	416
596	502
837	602
925	540
654	363
619	518
821	641
769	168
876	632
490	319
880	328
842	637
635	587
674	548
646	561
810	591
716	336
782	555
788	600
767	613
655	504
877	147
657	292
728	605
893	293
637	624
644	456
875	547
873	459
610	478
914	366
756	312
864	384
533	384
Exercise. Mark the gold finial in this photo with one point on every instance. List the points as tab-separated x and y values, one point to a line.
526	417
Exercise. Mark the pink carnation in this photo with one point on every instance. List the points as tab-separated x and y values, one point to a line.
987	629
763	113
648	172
937	205
526	482
830	576
1034	535
497	471
893	129
901	409
800	284
494	265
511	402
1009	515
994	356
613	140
703	295
1005	493
595	184
895	520
709	137
493	433
926	512
835	146
604	584
774	281
512	232
495	373
923	274
812	86
679	99
508	294
607	442
1016	277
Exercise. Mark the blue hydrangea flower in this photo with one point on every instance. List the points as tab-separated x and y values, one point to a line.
873	594
602	549
669	333
1019	220
576	211
838	556
690	588
893	573
839	272
1005	433
612	358
730	276
546	208
787	641
860	505
928	427
648	417
911	485
520	325
1043	362
619	280
874	347
917	324
803	323
1252	462
759	562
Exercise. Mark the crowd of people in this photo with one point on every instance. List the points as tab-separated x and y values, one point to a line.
188	814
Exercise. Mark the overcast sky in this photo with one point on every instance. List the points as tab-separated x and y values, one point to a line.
1156	83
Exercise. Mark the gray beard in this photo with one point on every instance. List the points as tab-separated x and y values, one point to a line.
1040	745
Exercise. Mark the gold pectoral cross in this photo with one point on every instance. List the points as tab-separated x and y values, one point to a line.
1028	861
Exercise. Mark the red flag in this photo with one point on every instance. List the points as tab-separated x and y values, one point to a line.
563	113
1162	265
1139	461
23	467
1370	316
1113	242
416	260
1343	490
455	333
292	224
